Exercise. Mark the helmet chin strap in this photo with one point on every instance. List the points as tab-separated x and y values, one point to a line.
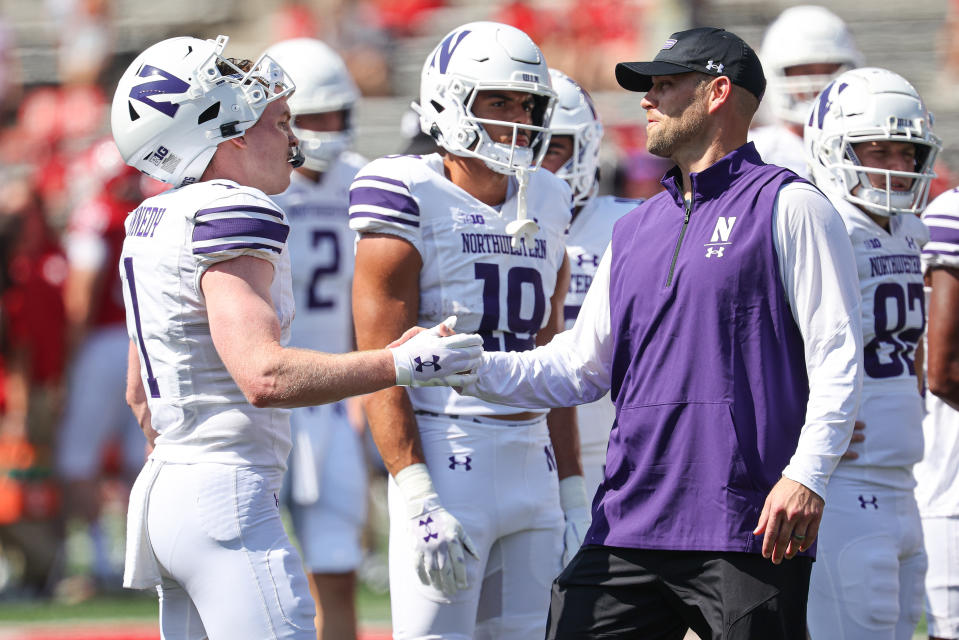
522	227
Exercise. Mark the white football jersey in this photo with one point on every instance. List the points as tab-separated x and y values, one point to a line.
586	241
171	240
779	146
937	475
470	269
321	246
893	320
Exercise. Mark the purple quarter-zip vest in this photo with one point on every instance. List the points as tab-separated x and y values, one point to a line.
709	375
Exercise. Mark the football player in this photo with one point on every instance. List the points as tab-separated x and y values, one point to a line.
573	155
209	300
937	474
871	149
478	491
802	51
327	470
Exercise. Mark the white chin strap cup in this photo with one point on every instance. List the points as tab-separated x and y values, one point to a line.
522	227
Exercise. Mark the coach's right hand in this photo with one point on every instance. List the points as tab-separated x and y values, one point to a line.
434	357
440	542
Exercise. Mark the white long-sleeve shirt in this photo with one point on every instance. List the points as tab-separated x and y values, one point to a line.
810	240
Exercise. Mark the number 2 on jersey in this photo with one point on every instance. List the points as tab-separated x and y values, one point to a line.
900	342
314	299
518	281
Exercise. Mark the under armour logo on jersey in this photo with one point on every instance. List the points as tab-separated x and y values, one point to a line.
466	463
420	364
276	499
587	257
715	66
910	242
550	459
874	502
428	529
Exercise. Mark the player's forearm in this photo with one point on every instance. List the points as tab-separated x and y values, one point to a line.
564	436
394	430
288	377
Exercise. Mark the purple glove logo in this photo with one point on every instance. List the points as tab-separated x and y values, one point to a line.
420	364
426	526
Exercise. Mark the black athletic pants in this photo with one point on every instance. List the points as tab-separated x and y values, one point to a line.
640	594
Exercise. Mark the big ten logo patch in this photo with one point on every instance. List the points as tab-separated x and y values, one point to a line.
468	217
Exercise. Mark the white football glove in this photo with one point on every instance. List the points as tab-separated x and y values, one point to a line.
575	505
441	543
428	360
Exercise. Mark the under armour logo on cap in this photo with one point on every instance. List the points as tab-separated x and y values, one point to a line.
717	67
420	364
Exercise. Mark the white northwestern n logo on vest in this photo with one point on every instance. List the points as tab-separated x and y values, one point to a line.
721	232
724	227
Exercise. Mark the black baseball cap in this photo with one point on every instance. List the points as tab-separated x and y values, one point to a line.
709	50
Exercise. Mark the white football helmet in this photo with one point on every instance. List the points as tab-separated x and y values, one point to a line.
323	84
480	56
575	116
174	105
865	105
804	34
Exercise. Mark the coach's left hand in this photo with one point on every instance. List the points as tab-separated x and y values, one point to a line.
790	520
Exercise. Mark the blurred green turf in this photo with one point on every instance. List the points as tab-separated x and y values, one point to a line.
374	609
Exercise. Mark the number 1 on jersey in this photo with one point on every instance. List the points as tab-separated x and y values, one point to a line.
151	379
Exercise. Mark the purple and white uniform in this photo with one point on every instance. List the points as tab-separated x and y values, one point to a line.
937	474
498	478
204	512
867	580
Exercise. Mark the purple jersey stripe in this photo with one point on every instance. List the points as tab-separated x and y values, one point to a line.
395	183
228	227
151	380
944	234
234	245
240	207
386	199
947	254
939	216
378	216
